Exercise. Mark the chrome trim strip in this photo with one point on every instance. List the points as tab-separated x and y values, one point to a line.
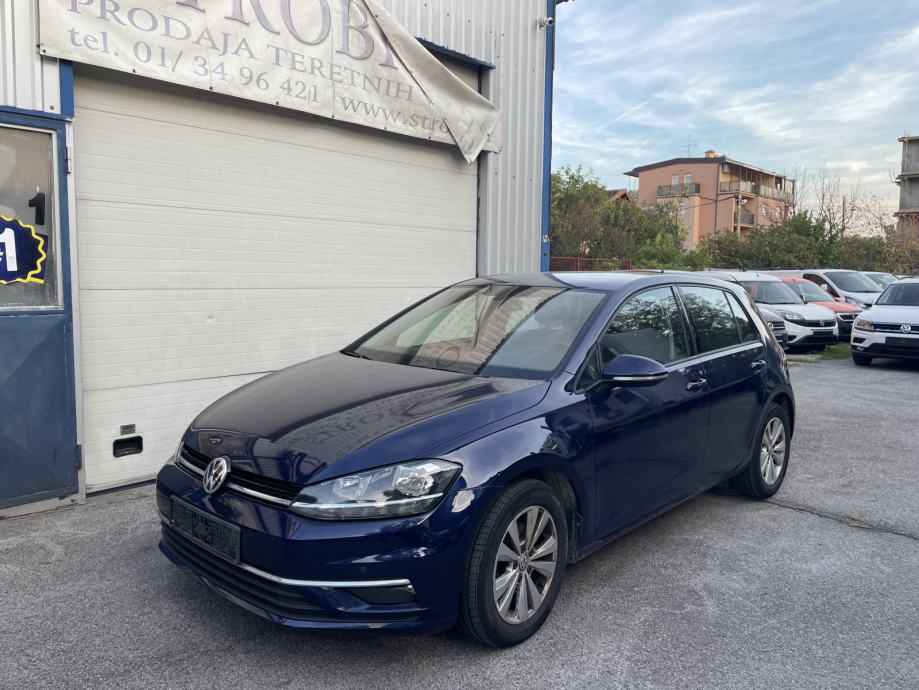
256	494
648	377
232	486
328	584
368	504
188	466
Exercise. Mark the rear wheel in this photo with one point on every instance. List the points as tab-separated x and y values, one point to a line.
765	471
861	360
516	565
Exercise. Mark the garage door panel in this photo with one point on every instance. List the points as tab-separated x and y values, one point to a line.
160	413
218	241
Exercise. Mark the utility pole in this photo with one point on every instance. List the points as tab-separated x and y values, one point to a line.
738	210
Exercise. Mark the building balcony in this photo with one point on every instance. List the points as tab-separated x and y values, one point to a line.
678	189
755	189
744	218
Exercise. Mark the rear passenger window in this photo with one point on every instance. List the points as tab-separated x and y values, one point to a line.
648	324
745	325
712	318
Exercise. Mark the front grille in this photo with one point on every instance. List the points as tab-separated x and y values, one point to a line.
847	317
895	327
281	600
820	337
825	323
276	488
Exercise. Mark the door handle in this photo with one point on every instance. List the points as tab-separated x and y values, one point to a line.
758	364
697	385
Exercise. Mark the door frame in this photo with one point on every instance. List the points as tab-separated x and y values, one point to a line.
57	126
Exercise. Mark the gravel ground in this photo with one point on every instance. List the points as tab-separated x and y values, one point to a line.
817	588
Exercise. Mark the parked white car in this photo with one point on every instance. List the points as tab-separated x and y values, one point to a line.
853	287
890	328
807	325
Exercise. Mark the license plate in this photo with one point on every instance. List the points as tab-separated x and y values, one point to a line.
904	342
213	534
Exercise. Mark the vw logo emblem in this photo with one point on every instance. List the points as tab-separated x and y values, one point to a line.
216	474
906	328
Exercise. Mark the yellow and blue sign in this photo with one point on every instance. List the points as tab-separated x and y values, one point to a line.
22	253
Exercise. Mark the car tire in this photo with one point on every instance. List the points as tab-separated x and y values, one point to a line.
763	476
861	360
481	616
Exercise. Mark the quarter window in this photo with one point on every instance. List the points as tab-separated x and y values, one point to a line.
712	318
648	324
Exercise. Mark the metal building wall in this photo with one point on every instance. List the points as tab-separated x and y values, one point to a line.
504	33
27	80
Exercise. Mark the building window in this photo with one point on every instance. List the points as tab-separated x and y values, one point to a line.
675	180
763	210
687	180
682	209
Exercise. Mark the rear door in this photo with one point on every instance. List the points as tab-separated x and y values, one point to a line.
735	369
649	441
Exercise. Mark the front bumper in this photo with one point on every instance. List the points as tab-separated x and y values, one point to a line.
313	574
890	345
801	336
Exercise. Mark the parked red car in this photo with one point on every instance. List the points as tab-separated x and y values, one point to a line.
812	294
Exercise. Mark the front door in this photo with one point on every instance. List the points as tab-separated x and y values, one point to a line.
649	441
38	457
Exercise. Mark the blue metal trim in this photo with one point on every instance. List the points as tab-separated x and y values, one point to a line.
65	69
8	109
456	55
547	140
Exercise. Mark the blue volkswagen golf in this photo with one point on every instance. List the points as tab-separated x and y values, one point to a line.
446	467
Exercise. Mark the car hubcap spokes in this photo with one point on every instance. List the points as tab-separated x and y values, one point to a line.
772	451
525	564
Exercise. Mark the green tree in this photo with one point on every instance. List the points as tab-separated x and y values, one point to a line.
579	202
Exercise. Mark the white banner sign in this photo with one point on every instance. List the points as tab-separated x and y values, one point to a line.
343	59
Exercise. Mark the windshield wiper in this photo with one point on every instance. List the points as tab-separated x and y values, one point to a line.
354	353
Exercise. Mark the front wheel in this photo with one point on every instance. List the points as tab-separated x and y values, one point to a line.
861	360
765	471
516	565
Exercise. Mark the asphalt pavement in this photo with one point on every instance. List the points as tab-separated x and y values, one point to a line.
818	587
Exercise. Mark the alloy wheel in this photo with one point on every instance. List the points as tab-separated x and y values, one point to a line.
525	564
772	451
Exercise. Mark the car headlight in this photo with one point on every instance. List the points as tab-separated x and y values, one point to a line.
864	325
857	302
790	315
408	488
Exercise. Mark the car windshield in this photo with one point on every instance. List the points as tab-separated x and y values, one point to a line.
882	279
901	295
809	292
852	281
490	330
770	292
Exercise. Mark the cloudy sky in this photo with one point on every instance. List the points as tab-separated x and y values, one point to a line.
774	84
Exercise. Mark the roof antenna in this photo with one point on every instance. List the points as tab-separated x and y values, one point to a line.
691	143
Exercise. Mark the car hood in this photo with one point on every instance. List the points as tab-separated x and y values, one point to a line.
883	313
838	307
810	311
866	297
338	414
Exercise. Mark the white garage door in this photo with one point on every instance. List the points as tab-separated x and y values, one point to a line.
220	240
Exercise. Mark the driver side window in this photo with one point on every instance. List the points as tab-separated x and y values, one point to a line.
648	324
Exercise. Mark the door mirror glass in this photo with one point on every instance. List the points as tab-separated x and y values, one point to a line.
634	371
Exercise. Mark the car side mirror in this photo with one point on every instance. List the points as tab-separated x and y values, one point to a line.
634	371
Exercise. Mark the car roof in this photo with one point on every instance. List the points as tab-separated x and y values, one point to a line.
910	279
745	275
793	279
607	281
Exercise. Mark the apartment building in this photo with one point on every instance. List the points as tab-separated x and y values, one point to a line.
908	180
715	193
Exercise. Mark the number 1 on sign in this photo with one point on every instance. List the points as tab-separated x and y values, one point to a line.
8	240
